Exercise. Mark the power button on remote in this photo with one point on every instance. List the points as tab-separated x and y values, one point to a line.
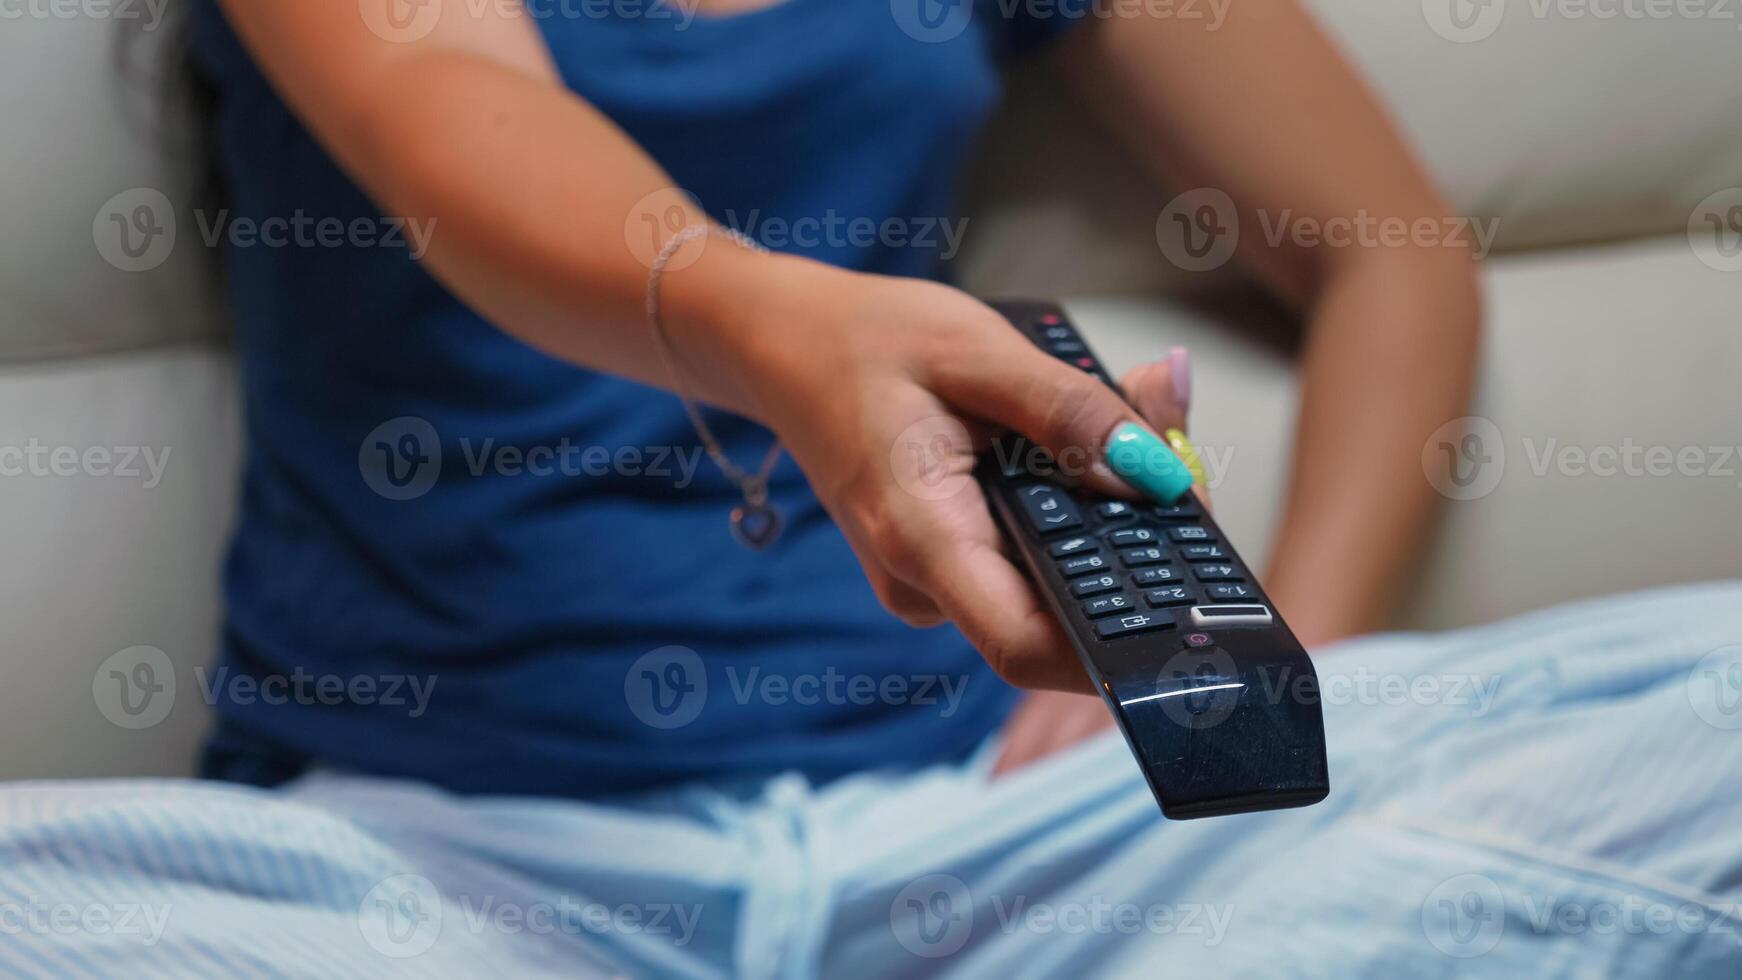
1198	640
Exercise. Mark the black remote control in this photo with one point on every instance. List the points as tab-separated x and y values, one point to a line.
1217	699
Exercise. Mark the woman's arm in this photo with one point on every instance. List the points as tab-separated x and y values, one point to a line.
1264	109
531	190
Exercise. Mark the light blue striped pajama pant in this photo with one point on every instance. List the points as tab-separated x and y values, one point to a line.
1559	795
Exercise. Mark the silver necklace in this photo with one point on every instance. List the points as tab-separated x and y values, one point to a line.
755	522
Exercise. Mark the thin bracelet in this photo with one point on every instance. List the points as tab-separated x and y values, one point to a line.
756	523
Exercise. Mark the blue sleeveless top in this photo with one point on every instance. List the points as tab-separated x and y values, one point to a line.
460	560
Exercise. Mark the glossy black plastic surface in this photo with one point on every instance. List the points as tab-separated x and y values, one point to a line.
1222	712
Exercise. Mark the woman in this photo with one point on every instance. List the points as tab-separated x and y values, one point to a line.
462	579
551	153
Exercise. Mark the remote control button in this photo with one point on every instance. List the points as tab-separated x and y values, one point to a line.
1133	537
1203	552
1150	577
1190	534
1114	510
1073	567
1218	573
1107	606
1232	593
1086	363
1247	615
1139	557
1071	546
1058	332
1084	587
1049	509
1163	598
1186	510
1067	348
1108	629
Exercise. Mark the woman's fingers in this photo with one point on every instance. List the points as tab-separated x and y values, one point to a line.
1062	408
996	608
1161	390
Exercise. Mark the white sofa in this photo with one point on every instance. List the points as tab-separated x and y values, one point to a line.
1594	141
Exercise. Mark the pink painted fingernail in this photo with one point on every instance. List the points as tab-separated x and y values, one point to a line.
1180	362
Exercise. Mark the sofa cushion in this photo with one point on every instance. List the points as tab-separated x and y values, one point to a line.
100	251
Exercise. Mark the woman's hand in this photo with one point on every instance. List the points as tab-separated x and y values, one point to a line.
884	390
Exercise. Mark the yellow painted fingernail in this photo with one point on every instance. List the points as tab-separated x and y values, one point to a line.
1188	454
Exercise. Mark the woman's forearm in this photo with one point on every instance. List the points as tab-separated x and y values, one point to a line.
1389	357
544	215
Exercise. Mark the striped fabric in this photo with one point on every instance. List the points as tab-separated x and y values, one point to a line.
1556	796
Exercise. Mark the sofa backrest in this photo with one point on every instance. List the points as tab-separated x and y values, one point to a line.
1566	125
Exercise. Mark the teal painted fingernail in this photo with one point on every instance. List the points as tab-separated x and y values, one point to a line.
1144	461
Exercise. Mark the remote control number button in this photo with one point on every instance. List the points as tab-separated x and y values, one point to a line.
1163	598
1134	537
1139	557
1218	573
1232	593
1084	587
1073	567
1108	605
1151	577
1204	552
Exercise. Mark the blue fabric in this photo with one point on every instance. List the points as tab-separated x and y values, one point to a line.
525	603
1554	796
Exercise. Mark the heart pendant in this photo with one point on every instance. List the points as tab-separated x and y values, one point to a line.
755	525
